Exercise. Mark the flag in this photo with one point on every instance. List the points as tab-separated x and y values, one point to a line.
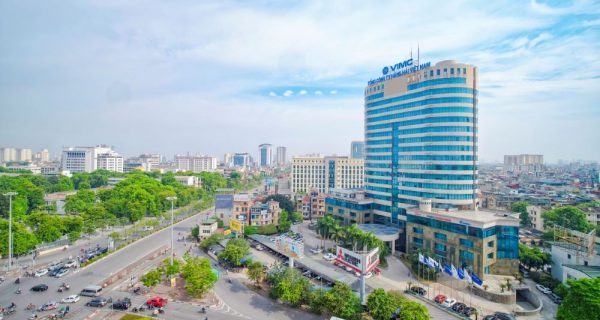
421	258
454	272
432	263
461	273
468	277
447	269
476	279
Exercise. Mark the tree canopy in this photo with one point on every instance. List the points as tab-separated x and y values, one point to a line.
235	250
582	300
568	216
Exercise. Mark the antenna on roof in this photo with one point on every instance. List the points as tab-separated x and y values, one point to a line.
418	54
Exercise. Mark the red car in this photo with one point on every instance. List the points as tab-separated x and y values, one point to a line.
157	302
440	298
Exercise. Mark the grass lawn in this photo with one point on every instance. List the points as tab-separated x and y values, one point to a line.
134	317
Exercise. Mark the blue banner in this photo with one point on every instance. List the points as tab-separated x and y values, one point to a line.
476	279
447	269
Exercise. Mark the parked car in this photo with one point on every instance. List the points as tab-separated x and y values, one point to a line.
39	288
503	316
555	298
70	264
459	306
157	302
329	256
489	317
97	302
316	250
61	272
54	266
122	304
70	299
468	311
41	272
48	306
418	290
449	303
259	247
440	298
543	289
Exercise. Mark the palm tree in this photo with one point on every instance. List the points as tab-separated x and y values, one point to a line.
502	286
339	235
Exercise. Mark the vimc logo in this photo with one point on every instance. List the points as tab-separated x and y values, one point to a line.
397	66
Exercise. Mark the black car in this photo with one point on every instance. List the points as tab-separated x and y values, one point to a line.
418	290
503	316
39	288
98	302
459	306
489	317
122	304
468	311
555	298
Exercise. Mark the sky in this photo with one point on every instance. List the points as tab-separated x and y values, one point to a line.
209	77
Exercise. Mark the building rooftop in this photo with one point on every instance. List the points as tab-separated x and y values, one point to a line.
381	231
591	271
476	218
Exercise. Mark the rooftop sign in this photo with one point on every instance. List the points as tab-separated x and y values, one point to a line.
399	69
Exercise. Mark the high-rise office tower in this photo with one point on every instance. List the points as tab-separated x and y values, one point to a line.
265	151
421	138
281	156
357	149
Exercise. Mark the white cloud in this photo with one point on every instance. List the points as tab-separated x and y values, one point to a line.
302	92
288	93
318	93
272	94
333	92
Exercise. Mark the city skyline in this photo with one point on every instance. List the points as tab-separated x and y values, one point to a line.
127	69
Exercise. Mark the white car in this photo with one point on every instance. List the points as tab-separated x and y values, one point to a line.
41	272
543	289
70	299
449	302
61	273
349	269
71	264
316	250
368	275
329	256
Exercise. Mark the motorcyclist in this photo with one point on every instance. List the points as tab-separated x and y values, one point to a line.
18	280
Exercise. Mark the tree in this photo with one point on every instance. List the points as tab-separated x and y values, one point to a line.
171	269
380	304
268	229
199	278
250	230
284	202
256	272
521	208
568	217
533	257
316	301
290	286
297	216
284	222
235	251
582	300
210	241
411	310
196	232
152	278
342	302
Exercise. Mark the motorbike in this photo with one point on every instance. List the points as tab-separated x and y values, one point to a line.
18	291
30	307
64	287
203	310
18	281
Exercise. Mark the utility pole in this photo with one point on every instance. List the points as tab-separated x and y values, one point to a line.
10	239
172	199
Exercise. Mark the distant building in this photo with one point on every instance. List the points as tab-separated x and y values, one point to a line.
82	159
323	173
357	150
312	205
242	160
110	161
264	213
8	154
228	160
25	155
524	163
195	163
190	181
281	156
265	155
42	156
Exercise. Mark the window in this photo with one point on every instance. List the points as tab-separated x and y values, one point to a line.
457	70
445	71
568	256
464	70
431	73
466	254
490	255
418	230
490	244
585	263
440	247
441	236
451	70
418	241
466	243
437	72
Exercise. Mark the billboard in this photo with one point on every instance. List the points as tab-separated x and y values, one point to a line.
235	225
223	201
359	262
290	247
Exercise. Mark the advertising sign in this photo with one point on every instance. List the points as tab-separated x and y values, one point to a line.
360	262
235	225
223	201
290	247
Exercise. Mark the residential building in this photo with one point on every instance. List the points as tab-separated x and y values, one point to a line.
42	156
110	161
323	173
25	155
524	163
357	150
242	160
241	207
79	159
195	163
8	154
207	228
190	181
349	206
281	156
535	215
574	254
265	151
264	213
312	205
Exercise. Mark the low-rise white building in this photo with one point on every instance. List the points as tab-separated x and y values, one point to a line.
191	181
195	163
207	228
535	215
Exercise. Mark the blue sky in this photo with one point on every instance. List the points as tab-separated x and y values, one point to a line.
224	76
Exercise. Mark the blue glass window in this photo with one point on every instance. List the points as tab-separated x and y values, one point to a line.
466	255
418	230
451	70
437	72
424	93
466	243
441	236
440	247
418	241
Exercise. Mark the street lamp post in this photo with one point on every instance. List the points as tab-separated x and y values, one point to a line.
10	240
172	199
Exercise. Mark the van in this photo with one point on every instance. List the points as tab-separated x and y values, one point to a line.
91	291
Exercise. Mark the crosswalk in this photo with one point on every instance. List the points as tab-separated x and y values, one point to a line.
226	309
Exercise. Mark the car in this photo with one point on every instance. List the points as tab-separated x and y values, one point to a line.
48	306
489	317
260	247
122	304
97	302
54	266
39	288
468	311
61	272
41	272
555	298
449	303
157	302
418	290
329	256
357	274
440	298
316	250
458	307
503	316
543	289
70	299
348	269
70	264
